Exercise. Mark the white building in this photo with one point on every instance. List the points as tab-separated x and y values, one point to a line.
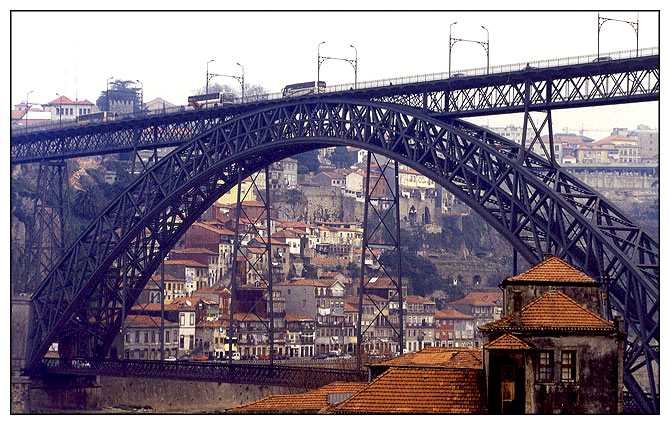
65	109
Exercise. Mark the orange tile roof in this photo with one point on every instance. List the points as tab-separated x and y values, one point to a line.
185	262
420	390
416	299
507	342
480	298
468	358
555	270
297	317
309	402
323	283
553	311
140	321
451	313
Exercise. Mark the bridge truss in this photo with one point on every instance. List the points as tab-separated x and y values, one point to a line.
532	202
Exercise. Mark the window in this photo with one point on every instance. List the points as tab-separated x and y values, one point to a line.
137	336
545	371
181	319
181	341
568	366
146	337
167	336
191	318
128	337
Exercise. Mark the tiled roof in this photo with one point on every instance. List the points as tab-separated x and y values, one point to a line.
139	321
64	100
193	250
507	342
297	317
553	311
420	390
310	402
415	299
323	283
166	277
215	229
468	358
184	262
555	270
480	298
451	313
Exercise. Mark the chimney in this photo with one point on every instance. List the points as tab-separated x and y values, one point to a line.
516	308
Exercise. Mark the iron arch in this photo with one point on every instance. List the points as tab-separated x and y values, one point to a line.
532	202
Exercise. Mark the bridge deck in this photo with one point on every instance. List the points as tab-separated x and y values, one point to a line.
236	373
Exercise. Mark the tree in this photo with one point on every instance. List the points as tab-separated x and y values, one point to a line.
342	158
308	162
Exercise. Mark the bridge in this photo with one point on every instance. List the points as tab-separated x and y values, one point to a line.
519	189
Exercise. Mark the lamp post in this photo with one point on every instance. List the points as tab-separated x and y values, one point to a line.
488	48
27	108
242	80
355	66
450	45
634	24
484	44
318	66
109	103
207	76
352	62
141	94
60	113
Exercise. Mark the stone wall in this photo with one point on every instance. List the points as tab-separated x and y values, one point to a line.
165	395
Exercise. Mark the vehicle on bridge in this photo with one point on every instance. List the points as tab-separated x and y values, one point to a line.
301	89
211	99
96	116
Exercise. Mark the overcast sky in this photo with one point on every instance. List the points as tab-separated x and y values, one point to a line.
73	53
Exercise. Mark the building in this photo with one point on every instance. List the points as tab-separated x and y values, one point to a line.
551	353
158	104
212	235
141	340
194	274
419	331
454	329
65	109
483	306
284	174
300	330
22	116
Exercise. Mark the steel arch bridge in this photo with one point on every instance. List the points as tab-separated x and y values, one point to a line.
532	202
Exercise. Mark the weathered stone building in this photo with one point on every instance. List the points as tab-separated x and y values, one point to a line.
551	353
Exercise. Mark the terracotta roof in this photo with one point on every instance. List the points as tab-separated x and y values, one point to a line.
166	277
215	229
420	390
139	321
297	317
248	317
468	358
507	342
194	250
480	298
451	313
310	402
323	283
185	262
553	311
415	299
555	270
17	114
64	100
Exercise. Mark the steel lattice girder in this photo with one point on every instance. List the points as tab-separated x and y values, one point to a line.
606	88
536	206
604	83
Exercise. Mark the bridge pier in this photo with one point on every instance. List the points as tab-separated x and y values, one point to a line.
43	394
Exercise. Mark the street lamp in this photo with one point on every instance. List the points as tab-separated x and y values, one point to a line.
635	24
450	45
484	44
60	113
242	80
355	65
352	62
207	76
109	103
318	66
141	94
27	108
488	47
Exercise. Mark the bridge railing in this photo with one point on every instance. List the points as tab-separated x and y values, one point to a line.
241	373
361	85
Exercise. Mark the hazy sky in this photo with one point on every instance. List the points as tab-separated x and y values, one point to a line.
73	53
